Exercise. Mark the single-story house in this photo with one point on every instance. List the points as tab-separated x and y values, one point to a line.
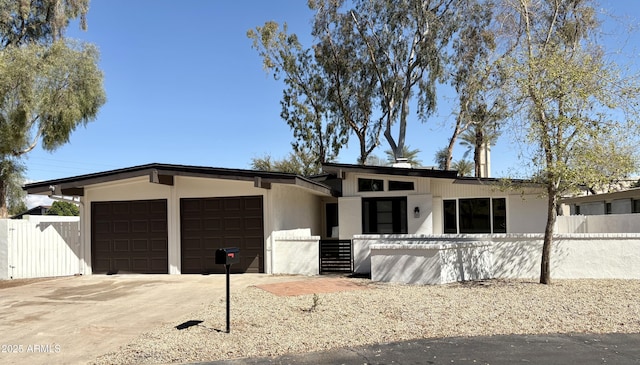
160	218
619	202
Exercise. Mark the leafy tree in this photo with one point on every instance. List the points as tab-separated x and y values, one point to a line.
373	160
11	173
409	154
63	209
300	163
305	100
476	78
404	45
574	99
48	85
17	207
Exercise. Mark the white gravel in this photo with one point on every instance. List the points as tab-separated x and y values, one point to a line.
263	324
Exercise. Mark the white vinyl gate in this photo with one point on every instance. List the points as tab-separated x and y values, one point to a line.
31	249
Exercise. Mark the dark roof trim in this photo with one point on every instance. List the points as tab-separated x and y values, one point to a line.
495	181
633	193
154	170
339	169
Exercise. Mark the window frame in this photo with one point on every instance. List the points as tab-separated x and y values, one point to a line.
371	214
494	216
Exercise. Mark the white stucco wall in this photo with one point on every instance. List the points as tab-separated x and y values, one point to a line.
576	256
349	217
434	263
297	255
293	208
526	213
423	224
610	223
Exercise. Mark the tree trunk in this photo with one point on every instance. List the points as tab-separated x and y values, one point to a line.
545	270
4	213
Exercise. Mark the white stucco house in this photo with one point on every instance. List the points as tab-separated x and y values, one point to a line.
160	218
619	202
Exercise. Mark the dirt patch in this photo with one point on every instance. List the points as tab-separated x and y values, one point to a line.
311	286
12	283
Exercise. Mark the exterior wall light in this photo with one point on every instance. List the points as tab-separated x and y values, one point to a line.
416	212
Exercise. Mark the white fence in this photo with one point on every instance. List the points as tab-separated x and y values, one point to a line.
30	249
447	258
610	223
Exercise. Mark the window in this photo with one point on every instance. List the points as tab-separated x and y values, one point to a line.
384	215
477	215
450	214
499	215
607	208
635	206
400	185
370	185
577	210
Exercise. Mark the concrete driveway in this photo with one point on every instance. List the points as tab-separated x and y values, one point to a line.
72	320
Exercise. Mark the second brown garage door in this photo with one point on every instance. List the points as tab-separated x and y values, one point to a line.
207	224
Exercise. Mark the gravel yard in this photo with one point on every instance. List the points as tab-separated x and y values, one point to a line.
264	324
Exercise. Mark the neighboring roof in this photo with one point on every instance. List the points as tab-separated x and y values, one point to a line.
164	173
625	194
336	168
39	210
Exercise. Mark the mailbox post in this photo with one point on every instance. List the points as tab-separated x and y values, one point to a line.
227	257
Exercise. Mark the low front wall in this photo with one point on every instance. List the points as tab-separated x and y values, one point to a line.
296	255
430	263
449	258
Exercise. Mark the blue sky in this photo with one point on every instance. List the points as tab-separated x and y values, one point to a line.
185	87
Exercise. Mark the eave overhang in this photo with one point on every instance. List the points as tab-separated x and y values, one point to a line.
165	174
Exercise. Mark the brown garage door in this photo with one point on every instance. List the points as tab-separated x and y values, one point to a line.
207	224
129	237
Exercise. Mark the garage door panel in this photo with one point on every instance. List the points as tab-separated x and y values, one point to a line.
120	208
232	224
212	224
191	225
253	223
159	245
140	245
233	204
211	205
158	225
130	236
121	246
223	224
139	226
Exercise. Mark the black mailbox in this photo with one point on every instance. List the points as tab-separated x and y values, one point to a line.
227	256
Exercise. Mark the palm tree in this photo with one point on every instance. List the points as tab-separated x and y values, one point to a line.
441	158
474	139
410	155
464	167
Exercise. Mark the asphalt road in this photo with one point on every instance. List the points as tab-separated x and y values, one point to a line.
556	349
